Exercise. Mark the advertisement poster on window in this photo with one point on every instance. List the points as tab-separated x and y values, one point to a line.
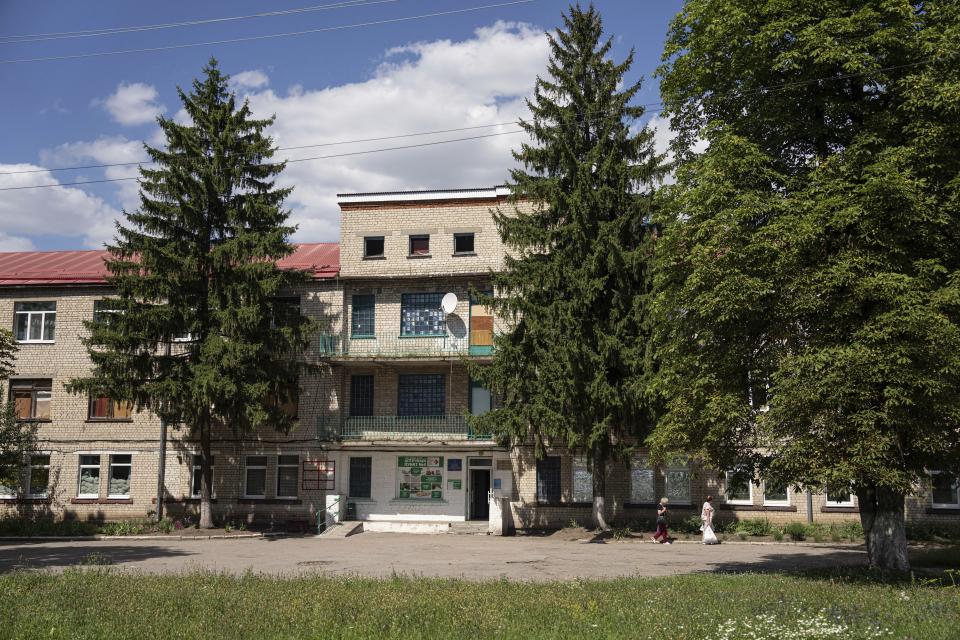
420	477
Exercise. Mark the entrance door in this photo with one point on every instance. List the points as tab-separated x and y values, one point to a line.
479	487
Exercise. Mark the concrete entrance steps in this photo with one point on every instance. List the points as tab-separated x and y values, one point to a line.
342	529
473	528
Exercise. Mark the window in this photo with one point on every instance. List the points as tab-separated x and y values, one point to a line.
422	394
373	247
104	408
420	245
548	479
288	475
104	311
945	490
642	479
739	486
119	484
462	243
677	481
196	476
34	321
481	400
31	398
39	477
363	316
255	477
7	492
89	477
776	493
421	315
361	472
582	480
285	312
361	395
183	337
840	497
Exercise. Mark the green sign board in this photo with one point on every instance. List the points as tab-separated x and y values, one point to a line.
419	461
420	477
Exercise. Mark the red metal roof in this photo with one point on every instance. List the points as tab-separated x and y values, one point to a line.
22	268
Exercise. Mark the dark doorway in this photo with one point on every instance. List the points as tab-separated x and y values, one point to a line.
479	486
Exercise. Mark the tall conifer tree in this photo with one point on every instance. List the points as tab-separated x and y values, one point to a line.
575	285
197	332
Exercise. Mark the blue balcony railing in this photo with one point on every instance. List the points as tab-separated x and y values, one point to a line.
448	427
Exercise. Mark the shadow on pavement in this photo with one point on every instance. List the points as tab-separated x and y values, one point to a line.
769	560
49	556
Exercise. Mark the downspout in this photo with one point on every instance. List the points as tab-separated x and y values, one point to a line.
162	458
809	507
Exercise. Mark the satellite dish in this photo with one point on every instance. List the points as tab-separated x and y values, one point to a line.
449	303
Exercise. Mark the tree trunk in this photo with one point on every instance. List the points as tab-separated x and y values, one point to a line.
884	531
599	492
206	475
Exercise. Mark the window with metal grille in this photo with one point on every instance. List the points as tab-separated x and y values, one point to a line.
422	394
420	245
548	479
361	472
363	316
361	395
421	315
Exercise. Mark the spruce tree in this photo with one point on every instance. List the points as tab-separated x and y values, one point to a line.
574	288
198	333
808	281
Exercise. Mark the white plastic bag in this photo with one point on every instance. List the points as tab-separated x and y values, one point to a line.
708	536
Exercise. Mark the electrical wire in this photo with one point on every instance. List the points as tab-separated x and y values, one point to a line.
272	35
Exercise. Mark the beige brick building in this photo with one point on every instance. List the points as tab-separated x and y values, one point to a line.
384	424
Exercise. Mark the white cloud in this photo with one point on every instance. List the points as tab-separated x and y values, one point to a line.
420	87
105	150
65	211
133	104
252	79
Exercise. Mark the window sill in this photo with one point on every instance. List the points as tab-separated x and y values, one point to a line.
418	501
381	257
190	500
465	254
26	500
269	501
34	420
416	256
839	510
947	511
107	420
363	337
101	501
426	335
36	342
753	507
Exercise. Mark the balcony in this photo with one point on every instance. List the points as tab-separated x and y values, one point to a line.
410	428
398	347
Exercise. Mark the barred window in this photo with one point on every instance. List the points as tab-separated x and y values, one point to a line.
421	315
642	481
422	394
548	479
363	316
361	395
360	477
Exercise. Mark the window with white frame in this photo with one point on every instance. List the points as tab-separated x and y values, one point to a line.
89	486
106	311
839	497
288	476
642	481
945	490
34	321
255	477
739	486
677	482
38	478
118	485
776	493
196	476
582	480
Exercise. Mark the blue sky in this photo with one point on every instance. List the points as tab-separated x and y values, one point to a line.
465	69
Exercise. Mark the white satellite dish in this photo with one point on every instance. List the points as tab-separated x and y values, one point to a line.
449	303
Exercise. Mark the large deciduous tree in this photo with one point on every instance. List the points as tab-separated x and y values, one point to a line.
575	285
810	264
17	439
198	332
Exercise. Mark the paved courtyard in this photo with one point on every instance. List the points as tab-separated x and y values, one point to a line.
451	556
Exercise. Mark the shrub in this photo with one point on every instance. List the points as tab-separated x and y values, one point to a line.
742	535
620	533
45	526
932	531
778	534
690	524
754	527
796	530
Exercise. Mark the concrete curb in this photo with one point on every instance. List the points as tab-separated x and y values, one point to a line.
761	543
141	537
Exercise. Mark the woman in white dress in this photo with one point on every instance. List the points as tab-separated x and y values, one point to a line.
709	537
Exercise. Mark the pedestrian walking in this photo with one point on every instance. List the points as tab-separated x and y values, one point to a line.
662	536
706	514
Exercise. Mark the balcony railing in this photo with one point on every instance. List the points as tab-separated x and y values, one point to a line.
397	428
404	347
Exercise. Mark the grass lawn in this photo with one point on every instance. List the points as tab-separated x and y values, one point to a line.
100	603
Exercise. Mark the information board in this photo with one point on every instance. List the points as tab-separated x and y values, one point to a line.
420	477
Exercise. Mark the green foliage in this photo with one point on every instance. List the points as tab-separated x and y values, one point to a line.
777	534
854	605
933	532
811	254
45	526
754	527
8	354
17	439
198	261
797	531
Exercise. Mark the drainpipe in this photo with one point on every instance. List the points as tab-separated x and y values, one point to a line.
809	507
162	457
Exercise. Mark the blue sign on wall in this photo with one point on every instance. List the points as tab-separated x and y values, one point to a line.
496	483
454	464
